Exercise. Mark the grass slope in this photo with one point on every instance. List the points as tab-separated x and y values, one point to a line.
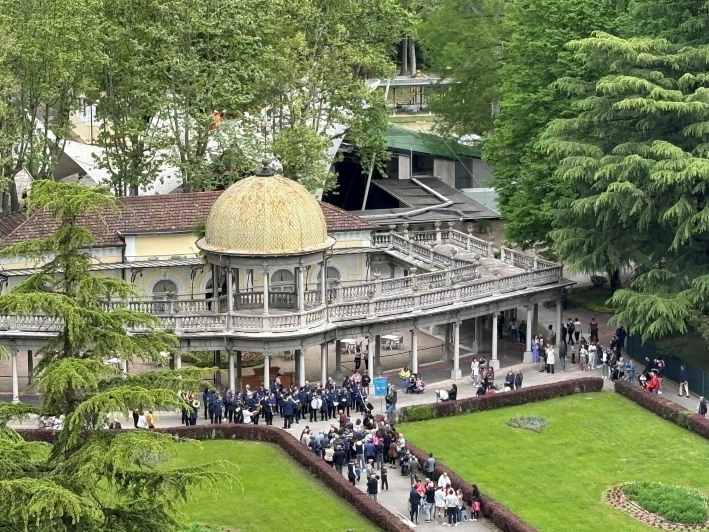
272	493
555	479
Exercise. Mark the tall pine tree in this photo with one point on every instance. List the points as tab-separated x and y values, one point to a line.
634	154
91	478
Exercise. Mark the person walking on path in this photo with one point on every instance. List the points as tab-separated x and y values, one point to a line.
429	466
385	478
562	355
702	408
372	487
414	501
683	381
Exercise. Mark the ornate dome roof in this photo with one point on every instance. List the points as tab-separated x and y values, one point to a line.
265	215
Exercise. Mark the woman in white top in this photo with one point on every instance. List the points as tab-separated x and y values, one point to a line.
443	480
550	359
452	507
475	370
440	501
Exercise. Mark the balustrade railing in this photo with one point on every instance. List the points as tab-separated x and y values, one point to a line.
459	281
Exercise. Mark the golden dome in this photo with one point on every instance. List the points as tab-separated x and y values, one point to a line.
265	215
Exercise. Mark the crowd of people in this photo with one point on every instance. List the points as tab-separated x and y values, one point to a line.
368	448
292	404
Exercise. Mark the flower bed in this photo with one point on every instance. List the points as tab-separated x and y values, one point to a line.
665	408
525	395
661	506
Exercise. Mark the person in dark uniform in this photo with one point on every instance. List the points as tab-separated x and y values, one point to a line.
288	411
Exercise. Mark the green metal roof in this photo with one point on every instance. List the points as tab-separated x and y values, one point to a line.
400	138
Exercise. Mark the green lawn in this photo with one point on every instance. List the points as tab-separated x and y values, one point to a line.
555	479
272	493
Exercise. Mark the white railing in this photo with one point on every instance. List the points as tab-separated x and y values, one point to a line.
458	281
374	306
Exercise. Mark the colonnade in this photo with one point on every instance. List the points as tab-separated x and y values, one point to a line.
373	352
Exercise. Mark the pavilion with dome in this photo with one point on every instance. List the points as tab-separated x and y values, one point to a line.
265	268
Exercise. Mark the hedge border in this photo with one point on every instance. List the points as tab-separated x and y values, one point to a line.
373	511
665	408
540	392
498	513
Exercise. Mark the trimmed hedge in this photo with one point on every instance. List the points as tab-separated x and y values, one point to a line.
496	512
373	511
665	408
530	394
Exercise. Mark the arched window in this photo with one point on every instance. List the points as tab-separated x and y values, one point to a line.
282	281
165	290
385	270
333	274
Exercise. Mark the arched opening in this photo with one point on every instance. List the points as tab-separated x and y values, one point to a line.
163	292
333	276
283	281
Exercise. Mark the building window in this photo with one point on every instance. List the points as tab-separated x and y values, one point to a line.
282	281
165	290
333	275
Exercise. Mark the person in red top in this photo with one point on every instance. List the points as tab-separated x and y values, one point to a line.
653	383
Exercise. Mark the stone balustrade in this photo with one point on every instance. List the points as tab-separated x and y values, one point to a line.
458	282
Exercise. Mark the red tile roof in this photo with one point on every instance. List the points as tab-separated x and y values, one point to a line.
170	213
9	223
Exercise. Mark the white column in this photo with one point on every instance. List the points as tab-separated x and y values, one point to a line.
301	288
323	283
15	377
124	367
232	373
301	368
557	323
455	373
178	360
229	290
323	363
338	361
477	324
528	345
414	361
494	363
266	276
370	357
267	370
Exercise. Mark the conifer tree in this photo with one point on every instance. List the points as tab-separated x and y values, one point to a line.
634	152
91	478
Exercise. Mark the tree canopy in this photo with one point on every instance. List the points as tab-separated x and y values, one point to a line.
633	152
92	478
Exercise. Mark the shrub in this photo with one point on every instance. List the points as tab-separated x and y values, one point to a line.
417	412
665	408
487	402
674	503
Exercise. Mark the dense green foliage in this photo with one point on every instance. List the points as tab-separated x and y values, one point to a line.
467	105
674	503
555	479
272	490
206	89
632	150
93	478
534	57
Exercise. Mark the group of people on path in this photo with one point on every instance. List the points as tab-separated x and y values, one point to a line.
369	447
292	403
437	501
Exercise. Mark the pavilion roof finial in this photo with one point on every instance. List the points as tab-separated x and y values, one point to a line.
266	170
